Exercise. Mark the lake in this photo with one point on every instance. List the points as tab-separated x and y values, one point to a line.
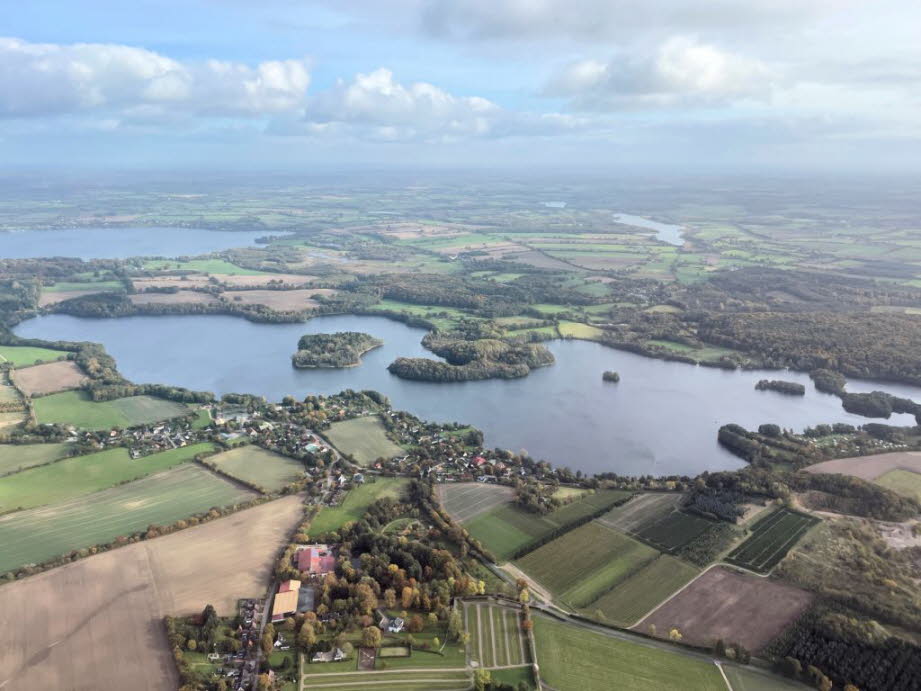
662	418
666	232
120	243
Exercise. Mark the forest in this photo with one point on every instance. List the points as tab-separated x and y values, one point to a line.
340	349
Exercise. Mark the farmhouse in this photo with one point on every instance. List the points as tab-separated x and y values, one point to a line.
317	560
334	655
394	625
285	601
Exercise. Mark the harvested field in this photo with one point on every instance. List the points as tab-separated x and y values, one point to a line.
78	615
250	281
49	378
495	635
870	467
259	467
278	300
635	596
11	419
771	538
586	562
574	659
732	606
466	500
182	297
142	284
363	438
16	457
37	535
641	510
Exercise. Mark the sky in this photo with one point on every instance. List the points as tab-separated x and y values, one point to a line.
675	85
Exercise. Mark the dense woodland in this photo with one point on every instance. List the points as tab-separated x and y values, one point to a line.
341	349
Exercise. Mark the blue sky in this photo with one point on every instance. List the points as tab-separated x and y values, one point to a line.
286	84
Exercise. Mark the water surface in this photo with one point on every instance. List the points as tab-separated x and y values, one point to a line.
661	418
666	232
120	243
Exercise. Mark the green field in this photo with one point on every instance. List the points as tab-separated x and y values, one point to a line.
770	540
748	679
635	596
904	482
580	331
260	467
36	535
584	563
355	503
495	635
15	457
72	477
411	680
23	356
76	408
574	659
363	438
507	528
67	286
673	530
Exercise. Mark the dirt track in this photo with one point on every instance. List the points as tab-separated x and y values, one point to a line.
96	625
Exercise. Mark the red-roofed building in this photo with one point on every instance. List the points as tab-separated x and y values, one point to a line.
317	560
478	461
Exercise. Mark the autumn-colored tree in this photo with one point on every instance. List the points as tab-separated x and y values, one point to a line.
306	637
527	625
407	597
267	644
675	635
390	598
482	679
415	624
455	624
371	637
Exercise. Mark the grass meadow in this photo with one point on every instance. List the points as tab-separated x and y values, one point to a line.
363	438
257	466
76	408
40	534
23	356
16	457
355	503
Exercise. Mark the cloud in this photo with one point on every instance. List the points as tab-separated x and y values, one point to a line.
682	72
52	79
603	19
374	105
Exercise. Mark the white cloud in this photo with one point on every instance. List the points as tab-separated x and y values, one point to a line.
682	72
376	106
51	79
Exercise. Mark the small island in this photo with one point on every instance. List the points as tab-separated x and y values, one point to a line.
341	349
610	376
790	388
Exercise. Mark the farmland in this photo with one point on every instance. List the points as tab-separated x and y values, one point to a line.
49	378
356	501
80	475
76	408
752	679
770	540
904	482
673	530
870	467
641	510
495	635
584	563
16	457
257	466
36	535
506	529
23	356
635	596
466	500
116	602
732	606
573	659
391	680
363	438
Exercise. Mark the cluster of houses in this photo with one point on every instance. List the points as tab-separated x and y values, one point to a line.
140	441
293	596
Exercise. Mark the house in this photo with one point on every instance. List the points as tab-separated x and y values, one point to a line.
334	655
479	461
285	601
395	625
317	560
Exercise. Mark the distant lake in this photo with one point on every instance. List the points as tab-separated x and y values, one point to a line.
662	418
666	232
120	243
